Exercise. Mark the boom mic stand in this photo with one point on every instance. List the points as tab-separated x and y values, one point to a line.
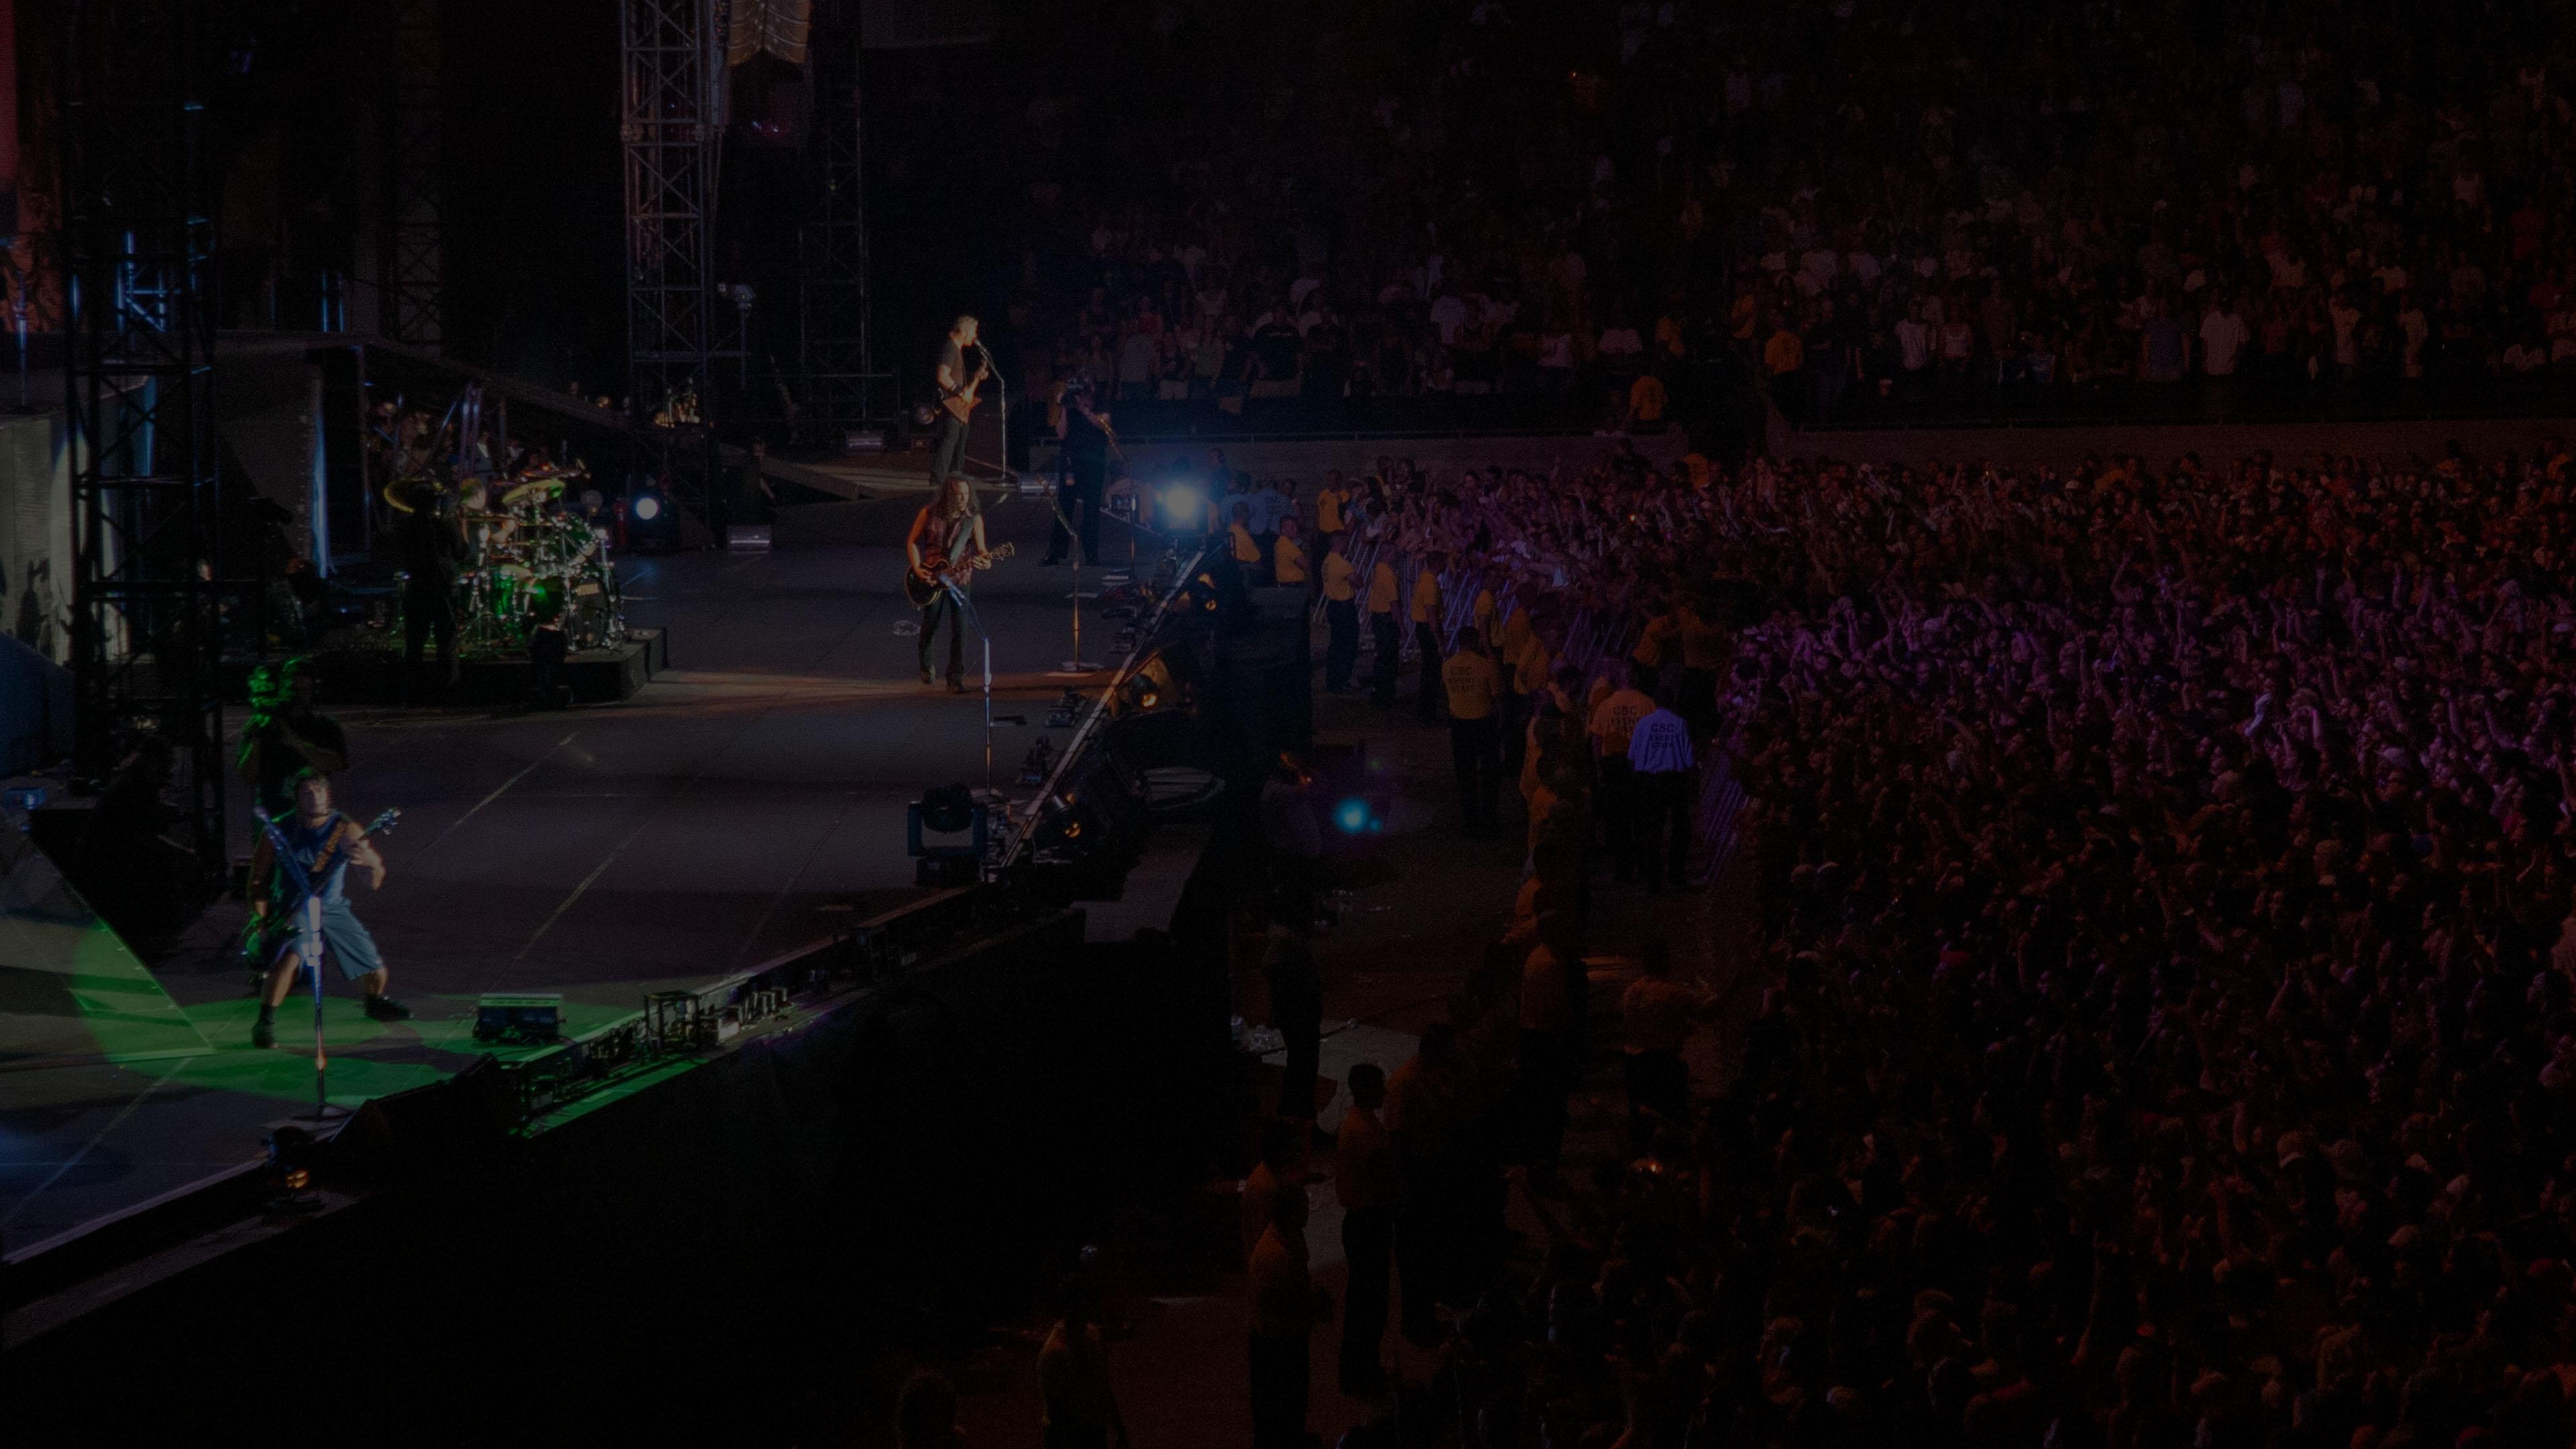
1001	403
988	796
1055	504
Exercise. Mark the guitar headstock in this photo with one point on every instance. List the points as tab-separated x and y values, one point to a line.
384	822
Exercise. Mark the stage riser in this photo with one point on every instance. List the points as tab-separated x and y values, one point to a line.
597	676
932	1152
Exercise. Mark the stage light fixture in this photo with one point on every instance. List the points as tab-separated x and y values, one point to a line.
1184	505
1154	685
1355	817
648	506
950	810
291	1151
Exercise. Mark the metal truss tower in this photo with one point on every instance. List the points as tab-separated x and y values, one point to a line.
842	388
415	245
147	629
672	54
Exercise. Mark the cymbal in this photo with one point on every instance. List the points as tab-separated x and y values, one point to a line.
472	516
533	488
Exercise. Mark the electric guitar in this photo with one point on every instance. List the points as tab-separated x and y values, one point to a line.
961	403
943	572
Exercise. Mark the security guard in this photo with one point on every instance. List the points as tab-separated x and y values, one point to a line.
1382	595
1428	614
1341	615
1474	688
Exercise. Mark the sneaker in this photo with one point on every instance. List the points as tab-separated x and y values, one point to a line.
928	678
263	1034
956	686
385	1008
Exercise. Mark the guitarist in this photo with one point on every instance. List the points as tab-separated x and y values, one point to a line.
956	398
946	534
324	844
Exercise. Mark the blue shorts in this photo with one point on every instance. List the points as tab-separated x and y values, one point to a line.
345	942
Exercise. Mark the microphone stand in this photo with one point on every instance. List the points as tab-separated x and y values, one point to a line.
308	915
1077	664
1001	402
988	796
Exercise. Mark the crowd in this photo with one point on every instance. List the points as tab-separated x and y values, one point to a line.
2164	1031
1971	203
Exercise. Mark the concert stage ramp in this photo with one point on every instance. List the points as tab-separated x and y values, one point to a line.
750	800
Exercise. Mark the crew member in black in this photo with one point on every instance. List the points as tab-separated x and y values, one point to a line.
433	549
286	736
1085	436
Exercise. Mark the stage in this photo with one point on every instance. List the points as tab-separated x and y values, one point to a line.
746	802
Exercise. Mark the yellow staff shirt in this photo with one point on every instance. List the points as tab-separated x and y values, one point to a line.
1382	589
1614	720
1328	510
1535	666
1426	596
1288	562
1703	643
1487	612
1655	641
1246	549
1473	684
1340	578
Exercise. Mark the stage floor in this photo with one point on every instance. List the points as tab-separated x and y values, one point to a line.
742	805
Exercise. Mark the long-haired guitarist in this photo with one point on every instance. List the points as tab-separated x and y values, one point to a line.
323	844
957	388
947	537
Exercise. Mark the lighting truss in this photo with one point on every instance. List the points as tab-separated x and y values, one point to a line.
147	634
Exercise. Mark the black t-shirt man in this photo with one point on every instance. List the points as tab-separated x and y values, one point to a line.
1084	440
433	550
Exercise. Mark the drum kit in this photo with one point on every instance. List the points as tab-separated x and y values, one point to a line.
534	564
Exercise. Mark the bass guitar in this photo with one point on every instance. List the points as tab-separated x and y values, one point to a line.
944	571
264	931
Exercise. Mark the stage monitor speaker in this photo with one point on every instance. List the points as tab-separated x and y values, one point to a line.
519	1017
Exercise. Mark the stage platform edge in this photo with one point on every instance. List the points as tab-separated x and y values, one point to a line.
372	675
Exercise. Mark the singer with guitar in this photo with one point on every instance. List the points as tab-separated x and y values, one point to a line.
957	389
321	844
942	552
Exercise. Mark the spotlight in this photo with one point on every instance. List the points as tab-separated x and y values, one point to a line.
648	506
1354	816
291	1151
1184	505
950	810
1155	685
